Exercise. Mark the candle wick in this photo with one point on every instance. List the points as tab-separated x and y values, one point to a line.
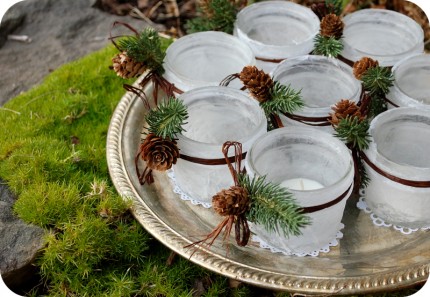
301	184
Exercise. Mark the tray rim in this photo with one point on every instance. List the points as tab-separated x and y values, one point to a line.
378	282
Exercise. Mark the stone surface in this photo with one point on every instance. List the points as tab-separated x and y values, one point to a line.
9	23
61	31
19	242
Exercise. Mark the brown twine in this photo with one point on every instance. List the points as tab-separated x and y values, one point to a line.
153	76
242	231
146	176
406	182
221	161
311	121
316	208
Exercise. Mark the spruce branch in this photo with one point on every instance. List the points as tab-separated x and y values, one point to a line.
167	119
354	131
377	80
145	48
273	206
377	105
334	6
217	15
327	46
283	99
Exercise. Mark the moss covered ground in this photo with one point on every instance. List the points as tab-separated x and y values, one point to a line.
52	156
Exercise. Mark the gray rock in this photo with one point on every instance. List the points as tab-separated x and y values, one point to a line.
61	31
10	22
19	245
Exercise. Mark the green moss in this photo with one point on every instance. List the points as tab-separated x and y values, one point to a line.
52	155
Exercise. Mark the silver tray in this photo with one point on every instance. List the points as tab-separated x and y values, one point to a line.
368	258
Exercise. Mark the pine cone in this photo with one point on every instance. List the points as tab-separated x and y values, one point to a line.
126	67
232	201
343	109
331	26
159	153
257	82
362	65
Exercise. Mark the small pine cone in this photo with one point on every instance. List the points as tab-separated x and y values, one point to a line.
361	66
126	67
257	82
232	201
159	153
331	26
343	109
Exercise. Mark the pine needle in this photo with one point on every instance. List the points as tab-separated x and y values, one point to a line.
273	207
352	130
145	48
284	99
327	46
167	119
220	15
377	80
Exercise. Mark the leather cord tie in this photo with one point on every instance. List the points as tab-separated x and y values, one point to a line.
159	82
311	121
241	228
202	161
316	208
406	182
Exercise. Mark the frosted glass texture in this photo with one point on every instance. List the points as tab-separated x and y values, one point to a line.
412	82
307	153
277	30
400	146
204	59
323	82
381	34
216	115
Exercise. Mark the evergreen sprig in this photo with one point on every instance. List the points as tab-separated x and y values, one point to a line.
284	99
273	206
334	6
377	80
377	105
354	131
327	46
167	119
145	48
220	15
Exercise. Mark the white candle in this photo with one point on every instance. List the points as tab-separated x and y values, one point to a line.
301	184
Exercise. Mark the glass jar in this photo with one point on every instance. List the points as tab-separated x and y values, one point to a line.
383	35
276	30
400	141
216	115
411	82
205	59
317	168
323	82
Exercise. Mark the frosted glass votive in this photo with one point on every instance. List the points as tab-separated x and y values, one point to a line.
277	30
398	156
304	157
381	34
323	82
205	59
411	82
216	115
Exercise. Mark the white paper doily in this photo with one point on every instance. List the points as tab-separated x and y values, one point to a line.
324	249
185	197
377	221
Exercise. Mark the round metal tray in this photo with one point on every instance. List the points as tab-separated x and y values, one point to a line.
367	259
